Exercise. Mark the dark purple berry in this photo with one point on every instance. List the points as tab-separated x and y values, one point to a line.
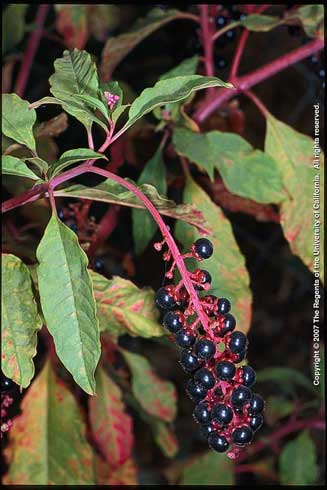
7	384
257	404
222	414
223	306
72	226
248	376
205	377
188	362
221	21
237	342
183	339
322	73
195	391
240	356
98	264
205	349
172	321
201	413
225	370
230	35
218	442
205	430
164	299
256	422
240	396
228	324
221	63
242	435
61	214
205	279
203	248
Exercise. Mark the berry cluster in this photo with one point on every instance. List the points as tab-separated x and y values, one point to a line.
226	409
7	386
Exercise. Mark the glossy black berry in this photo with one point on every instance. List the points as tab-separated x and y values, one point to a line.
188	362
256	422
248	376
205	279
98	264
201	413
164	299
228	324
230	35
7	384
203	248
240	396
218	442
61	214
205	430
225	370
237	342
322	73
240	356
173	321
183	339
221	63
195	391
223	306
72	226
257	404
222	414
221	21
242	435
205	377
205	349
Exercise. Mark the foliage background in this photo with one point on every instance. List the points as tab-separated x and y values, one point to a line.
281	285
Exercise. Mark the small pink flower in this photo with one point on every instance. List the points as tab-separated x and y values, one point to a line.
111	99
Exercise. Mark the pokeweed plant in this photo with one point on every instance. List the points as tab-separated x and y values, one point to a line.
85	313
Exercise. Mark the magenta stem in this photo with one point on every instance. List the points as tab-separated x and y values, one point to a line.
207	40
31	49
247	81
262	108
238	55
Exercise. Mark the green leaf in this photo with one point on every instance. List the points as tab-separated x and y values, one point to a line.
95	104
210	468
72	156
116	48
157	397
298	461
72	23
68	303
20	321
13	26
15	166
18	120
168	91
312	19
261	23
113	193
47	443
112	427
165	438
144	226
76	74
285	376
124	308
294	155
246	172
230	277
185	68
39	163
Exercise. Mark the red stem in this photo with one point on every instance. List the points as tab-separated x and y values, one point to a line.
293	426
28	196
247	81
238	55
31	49
262	108
107	224
207	40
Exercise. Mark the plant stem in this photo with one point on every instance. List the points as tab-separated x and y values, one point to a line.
106	226
207	40
167	236
25	197
31	49
293	426
262	108
249	80
238	55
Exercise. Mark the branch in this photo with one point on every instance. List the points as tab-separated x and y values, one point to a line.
207	40
247	81
107	224
238	55
28	196
31	49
